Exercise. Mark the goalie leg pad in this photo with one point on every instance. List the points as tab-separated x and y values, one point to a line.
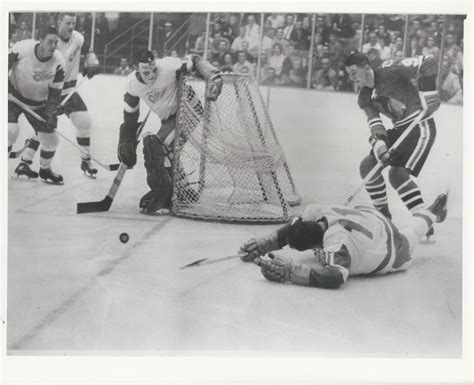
158	179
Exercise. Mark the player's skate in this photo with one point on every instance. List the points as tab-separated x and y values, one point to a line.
88	169
50	177
24	169
439	209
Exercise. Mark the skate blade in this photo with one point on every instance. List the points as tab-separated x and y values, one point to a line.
91	176
158	213
26	179
52	183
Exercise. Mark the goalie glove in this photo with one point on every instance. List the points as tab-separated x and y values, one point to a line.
214	87
127	146
380	149
257	247
282	269
91	65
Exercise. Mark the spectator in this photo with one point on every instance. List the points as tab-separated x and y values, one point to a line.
374	57
217	29
268	29
290	54
318	46
342	25
237	43
290	24
296	75
430	48
264	67
112	20
12	41
280	40
277	59
451	48
385	53
174	53
371	44
335	48
23	32
307	24
325	78
246	49
228	64
383	34
322	29
398	46
252	29
398	55
241	63
451	88
267	42
299	37
124	68
417	32
270	78
233	27
413	48
222	49
217	39
394	23
199	44
277	20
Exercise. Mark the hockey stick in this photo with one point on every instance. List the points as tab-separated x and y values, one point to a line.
207	261
104	204
28	110
379	165
73	90
16	154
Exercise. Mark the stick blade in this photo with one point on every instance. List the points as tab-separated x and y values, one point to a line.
193	264
94	207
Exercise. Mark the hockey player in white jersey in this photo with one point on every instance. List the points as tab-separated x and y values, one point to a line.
346	241
72	47
156	83
36	78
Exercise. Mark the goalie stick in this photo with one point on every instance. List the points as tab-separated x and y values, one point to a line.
28	110
207	261
104	204
379	165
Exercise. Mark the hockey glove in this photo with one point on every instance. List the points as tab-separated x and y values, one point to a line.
127	147
50	115
214	87
91	65
379	147
258	247
282	269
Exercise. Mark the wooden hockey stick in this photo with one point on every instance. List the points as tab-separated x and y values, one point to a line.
28	110
207	261
104	204
379	165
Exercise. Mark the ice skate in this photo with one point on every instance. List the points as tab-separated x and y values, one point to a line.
50	177
24	169
88	169
439	209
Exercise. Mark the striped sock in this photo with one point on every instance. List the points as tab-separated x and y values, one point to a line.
30	151
377	190
46	158
85	144
410	194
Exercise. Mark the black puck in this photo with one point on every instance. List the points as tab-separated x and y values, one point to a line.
124	237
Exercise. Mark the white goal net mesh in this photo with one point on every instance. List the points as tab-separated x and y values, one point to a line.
228	164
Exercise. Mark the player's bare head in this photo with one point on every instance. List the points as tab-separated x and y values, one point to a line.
66	24
48	42
358	68
146	67
305	235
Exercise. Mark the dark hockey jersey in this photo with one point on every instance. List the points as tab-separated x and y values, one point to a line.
395	94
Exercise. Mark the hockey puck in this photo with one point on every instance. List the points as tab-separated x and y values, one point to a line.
124	237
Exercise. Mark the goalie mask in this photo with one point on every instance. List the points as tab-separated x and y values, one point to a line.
146	66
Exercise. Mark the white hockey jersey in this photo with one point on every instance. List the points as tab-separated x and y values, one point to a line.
71	51
360	239
32	77
162	95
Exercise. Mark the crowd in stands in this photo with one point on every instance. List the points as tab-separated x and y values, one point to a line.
284	43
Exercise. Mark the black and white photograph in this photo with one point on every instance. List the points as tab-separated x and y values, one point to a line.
254	181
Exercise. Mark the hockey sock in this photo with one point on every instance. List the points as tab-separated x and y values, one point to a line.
377	190
46	158
30	151
85	144
410	194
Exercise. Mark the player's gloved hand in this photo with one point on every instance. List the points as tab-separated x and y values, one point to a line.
214	87
380	149
91	65
430	101
258	247
127	153
50	115
282	269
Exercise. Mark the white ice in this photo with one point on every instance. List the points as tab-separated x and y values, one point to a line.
73	288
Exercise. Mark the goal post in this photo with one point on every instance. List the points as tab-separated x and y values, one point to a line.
228	164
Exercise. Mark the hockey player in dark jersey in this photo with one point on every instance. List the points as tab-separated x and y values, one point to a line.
156	83
401	91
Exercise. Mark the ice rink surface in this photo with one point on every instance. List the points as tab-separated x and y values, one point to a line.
74	288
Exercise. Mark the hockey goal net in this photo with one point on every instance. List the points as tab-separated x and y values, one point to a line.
228	164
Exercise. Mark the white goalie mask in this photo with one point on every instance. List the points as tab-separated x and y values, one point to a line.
148	71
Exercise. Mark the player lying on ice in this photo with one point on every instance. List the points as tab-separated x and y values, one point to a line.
346	241
156	82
